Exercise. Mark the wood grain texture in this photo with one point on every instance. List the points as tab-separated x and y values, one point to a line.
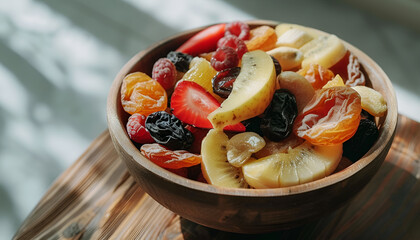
96	198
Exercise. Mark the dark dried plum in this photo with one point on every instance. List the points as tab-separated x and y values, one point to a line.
366	135
253	125
277	65
223	81
166	129
180	60
279	116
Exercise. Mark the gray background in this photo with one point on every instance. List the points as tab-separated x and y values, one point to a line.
58	59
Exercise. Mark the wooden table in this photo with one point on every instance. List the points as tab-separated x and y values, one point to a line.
97	199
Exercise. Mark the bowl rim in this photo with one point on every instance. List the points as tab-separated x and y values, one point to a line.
116	125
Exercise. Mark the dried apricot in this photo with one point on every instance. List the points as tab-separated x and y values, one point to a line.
331	117
263	38
317	75
169	159
141	94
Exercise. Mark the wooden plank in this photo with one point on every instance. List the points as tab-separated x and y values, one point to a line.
97	199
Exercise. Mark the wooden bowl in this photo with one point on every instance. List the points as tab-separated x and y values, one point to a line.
247	210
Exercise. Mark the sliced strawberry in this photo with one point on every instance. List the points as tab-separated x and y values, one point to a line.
204	41
191	104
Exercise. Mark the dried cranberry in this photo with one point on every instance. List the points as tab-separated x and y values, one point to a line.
136	129
223	81
224	57
279	116
166	129
235	43
180	60
239	29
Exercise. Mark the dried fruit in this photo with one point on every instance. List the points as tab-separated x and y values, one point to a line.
372	101
167	158
282	146
180	60
289	58
263	38
349	69
317	75
241	146
223	81
224	57
331	117
202	72
235	43
192	104
204	41
366	135
298	86
141	94
238	29
279	116
335	82
136	129
277	65
166	129
164	72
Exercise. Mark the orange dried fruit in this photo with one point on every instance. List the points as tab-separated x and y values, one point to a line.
263	38
317	75
331	117
141	94
171	159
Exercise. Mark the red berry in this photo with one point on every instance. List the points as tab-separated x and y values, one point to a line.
224	57
191	104
239	29
136	129
235	43
164	71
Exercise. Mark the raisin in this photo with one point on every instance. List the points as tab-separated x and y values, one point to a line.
279	116
366	135
331	117
277	65
166	129
223	81
224	57
171	159
180	60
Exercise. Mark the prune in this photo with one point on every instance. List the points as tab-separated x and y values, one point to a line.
366	135
279	116
223	81
253	125
277	65
180	60
166	129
